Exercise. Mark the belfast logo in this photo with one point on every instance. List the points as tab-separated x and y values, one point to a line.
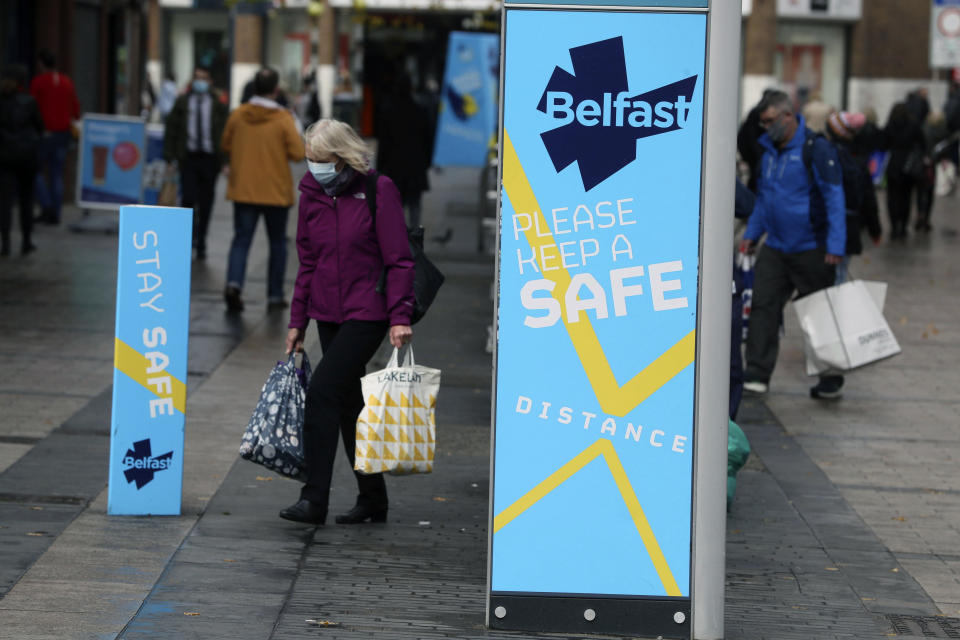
140	465
600	119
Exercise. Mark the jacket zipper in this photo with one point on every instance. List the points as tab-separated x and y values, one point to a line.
336	215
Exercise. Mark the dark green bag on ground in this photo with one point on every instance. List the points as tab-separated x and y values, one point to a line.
738	450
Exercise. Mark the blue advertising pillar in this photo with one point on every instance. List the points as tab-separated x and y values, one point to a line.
150	361
613	307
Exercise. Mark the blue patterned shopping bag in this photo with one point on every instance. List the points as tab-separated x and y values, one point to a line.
274	435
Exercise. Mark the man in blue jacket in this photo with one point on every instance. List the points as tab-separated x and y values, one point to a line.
802	211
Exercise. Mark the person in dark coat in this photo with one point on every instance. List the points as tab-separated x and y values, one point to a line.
405	145
21	127
748	142
934	132
859	193
903	136
342	252
918	105
191	138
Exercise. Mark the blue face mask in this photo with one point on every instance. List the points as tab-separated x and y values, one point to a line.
201	86
323	172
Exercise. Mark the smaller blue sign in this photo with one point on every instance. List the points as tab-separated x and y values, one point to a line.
155	167
111	161
150	361
468	106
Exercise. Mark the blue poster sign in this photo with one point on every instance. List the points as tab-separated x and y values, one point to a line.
598	290
150	361
467	121
111	161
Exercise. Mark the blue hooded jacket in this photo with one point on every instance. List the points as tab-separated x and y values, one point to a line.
795	214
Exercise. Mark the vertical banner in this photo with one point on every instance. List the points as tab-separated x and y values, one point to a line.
150	361
468	105
111	161
597	315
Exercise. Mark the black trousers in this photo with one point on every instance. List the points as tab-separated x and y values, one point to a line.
334	402
16	186
899	190
777	275
198	179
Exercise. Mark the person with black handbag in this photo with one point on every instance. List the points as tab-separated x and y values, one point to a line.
343	251
903	136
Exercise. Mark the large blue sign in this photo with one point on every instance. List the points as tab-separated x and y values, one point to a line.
467	121
111	161
150	361
599	249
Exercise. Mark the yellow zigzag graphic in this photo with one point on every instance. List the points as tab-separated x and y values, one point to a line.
614	399
601	447
131	362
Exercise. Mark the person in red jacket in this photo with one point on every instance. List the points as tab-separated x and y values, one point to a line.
343	251
59	107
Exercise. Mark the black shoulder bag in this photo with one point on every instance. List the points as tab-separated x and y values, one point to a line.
427	279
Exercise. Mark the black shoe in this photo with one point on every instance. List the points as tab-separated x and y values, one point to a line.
274	305
305	511
201	254
361	513
829	388
27	248
232	297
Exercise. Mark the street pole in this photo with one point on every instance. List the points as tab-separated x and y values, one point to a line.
713	372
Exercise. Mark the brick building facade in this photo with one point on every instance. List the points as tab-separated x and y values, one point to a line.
856	54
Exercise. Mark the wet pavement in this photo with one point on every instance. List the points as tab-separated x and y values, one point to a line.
846	522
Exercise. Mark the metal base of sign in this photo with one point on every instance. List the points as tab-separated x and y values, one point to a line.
638	618
96	224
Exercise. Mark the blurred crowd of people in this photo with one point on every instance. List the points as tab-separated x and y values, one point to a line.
909	156
808	192
36	129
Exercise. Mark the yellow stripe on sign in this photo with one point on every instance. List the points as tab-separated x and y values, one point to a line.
614	399
604	448
134	365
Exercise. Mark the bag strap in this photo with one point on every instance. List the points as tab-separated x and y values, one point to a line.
371	195
401	356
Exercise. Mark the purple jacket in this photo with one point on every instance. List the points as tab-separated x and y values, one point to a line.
342	257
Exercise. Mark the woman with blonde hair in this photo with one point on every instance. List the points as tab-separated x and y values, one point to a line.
343	251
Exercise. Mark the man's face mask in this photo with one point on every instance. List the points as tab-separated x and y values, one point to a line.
777	130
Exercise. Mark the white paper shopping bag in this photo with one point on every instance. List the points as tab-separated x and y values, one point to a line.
397	429
844	328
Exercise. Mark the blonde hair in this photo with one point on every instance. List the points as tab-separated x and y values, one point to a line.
338	138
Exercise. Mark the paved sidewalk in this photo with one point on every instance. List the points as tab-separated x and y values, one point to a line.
845	524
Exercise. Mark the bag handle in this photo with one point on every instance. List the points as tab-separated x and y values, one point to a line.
398	359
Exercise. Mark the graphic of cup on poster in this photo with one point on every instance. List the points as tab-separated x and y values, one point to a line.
111	160
599	254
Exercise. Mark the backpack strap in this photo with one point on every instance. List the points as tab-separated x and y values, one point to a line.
806	153
371	195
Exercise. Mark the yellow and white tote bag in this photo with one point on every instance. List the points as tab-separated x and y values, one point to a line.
397	429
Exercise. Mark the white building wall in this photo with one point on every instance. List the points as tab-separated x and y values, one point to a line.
182	26
881	94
